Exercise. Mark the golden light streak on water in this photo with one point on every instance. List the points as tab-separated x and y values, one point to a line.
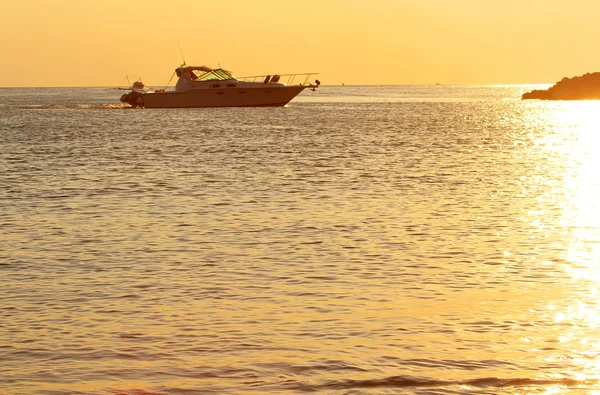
576	143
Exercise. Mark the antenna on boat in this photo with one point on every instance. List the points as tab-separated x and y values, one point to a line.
181	52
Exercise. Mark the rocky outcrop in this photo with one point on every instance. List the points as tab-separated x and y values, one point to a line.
585	87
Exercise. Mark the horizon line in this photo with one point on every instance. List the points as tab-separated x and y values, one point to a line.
331	85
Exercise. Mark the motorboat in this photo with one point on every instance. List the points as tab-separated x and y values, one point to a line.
133	84
202	86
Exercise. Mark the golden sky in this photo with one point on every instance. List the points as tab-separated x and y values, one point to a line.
96	43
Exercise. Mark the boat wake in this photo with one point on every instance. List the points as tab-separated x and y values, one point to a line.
75	107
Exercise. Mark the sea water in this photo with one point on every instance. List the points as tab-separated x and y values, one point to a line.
361	240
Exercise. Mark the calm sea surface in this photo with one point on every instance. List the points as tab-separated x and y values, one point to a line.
362	240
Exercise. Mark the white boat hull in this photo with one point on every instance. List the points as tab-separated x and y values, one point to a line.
229	97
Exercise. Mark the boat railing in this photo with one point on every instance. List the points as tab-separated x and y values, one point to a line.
288	79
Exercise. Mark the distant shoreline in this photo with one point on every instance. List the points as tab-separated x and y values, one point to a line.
584	87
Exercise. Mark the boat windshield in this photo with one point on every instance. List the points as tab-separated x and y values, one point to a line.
216	75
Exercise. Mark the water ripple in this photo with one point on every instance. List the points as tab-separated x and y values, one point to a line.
363	240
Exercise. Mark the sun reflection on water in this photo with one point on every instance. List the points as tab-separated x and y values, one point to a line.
575	146
581	211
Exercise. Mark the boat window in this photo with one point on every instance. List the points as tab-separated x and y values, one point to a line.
218	75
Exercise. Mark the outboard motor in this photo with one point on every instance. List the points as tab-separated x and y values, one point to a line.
134	99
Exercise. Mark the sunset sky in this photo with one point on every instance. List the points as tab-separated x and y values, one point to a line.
96	43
